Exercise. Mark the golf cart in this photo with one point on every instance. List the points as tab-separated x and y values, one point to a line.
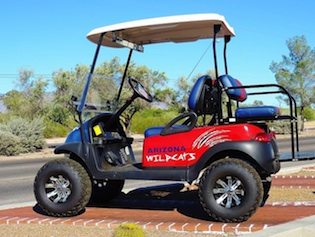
230	158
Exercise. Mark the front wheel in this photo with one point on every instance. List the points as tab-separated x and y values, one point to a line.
230	190
62	188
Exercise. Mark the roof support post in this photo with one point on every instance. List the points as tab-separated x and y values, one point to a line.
124	76
216	30
227	39
100	40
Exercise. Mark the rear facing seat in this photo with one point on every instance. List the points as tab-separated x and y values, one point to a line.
265	111
236	91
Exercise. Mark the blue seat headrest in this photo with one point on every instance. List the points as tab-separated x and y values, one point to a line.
238	94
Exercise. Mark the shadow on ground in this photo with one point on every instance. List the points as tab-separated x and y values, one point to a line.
168	197
164	197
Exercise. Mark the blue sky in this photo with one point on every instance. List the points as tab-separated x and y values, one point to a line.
48	35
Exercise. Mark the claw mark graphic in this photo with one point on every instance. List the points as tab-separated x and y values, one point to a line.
211	138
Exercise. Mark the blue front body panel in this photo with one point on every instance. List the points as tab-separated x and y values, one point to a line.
75	134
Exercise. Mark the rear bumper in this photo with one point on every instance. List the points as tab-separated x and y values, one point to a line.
276	162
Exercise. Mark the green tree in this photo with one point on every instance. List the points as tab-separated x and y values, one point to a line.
113	68
296	72
31	100
167	95
65	83
14	102
183	90
258	103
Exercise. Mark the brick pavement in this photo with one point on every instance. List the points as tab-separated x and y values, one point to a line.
175	213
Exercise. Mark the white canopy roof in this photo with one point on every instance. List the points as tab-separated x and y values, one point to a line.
181	28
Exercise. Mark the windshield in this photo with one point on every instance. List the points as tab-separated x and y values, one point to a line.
98	94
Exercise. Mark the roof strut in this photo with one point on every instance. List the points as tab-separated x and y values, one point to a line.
124	77
227	39
216	29
96	52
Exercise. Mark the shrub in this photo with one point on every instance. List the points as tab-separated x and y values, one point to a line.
129	230
309	114
151	117
30	134
282	126
4	117
9	144
54	129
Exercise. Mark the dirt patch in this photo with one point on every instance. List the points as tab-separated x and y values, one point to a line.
277	194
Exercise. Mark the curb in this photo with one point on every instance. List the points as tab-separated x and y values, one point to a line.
302	227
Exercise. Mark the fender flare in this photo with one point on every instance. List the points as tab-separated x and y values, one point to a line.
260	155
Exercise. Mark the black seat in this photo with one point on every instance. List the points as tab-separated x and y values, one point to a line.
200	102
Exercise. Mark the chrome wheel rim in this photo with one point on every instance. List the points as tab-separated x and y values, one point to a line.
228	191
58	189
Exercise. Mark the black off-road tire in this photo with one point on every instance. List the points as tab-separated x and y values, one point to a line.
62	188
106	190
230	190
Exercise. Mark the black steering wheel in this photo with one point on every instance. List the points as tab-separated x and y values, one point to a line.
139	89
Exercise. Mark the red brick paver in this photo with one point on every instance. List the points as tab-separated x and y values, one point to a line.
267	216
294	181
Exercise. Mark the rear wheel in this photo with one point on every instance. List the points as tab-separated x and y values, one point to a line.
230	190
105	190
62	187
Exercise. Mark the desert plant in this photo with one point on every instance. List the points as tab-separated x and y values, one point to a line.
54	129
129	230
29	133
9	144
282	126
151	117
309	114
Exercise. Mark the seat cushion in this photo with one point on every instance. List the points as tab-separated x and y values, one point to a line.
176	128
153	131
257	111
